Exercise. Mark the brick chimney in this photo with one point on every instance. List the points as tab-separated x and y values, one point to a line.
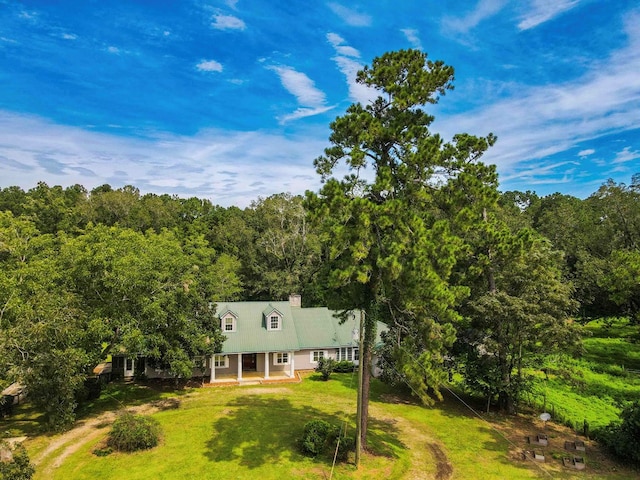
295	300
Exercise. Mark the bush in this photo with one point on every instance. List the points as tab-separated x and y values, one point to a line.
134	432
326	367
18	467
344	366
316	436
346	445
623	438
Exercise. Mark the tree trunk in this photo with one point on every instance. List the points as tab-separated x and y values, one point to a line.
366	357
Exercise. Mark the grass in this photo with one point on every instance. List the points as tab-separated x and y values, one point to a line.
596	387
252	432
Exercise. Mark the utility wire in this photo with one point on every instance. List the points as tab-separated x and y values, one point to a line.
335	454
479	415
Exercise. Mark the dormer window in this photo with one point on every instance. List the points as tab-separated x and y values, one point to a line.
228	323
228	320
272	318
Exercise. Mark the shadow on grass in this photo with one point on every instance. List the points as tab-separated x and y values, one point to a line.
257	430
28	421
117	395
383	438
25	421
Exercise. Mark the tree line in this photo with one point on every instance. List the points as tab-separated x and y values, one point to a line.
465	276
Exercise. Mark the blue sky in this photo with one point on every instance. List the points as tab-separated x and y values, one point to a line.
232	100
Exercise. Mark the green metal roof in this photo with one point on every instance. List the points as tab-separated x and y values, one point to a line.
301	328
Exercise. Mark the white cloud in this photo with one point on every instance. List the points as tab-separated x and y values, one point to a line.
541	11
348	61
303	112
228	167
311	99
114	50
227	22
337	42
300	86
69	36
209	66
546	120
483	10
586	153
350	16
412	37
626	155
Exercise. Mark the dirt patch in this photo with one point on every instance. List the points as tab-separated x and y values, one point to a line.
517	430
428	457
85	431
389	398
444	469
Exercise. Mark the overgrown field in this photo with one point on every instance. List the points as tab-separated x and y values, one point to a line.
593	389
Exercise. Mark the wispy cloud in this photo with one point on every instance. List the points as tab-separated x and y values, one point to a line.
586	153
484	9
348	61
541	11
626	155
227	22
350	16
412	37
196	165
312	100
69	36
544	121
209	66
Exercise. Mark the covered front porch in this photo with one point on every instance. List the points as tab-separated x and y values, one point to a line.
242	368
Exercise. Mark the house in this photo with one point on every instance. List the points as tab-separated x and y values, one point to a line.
269	340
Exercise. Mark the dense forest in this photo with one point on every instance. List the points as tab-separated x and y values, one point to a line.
84	269
467	278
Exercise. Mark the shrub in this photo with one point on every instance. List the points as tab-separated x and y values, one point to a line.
346	445
623	438
134	432
316	435
326	367
17	466
103	452
344	366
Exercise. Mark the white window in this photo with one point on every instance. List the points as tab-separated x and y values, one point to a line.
228	324
221	361
274	322
281	358
316	355
348	353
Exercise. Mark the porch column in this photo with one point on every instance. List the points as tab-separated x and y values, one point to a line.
212	375
291	366
266	364
239	366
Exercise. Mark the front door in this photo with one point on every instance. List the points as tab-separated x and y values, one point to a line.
249	362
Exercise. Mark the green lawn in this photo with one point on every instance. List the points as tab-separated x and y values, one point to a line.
251	432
